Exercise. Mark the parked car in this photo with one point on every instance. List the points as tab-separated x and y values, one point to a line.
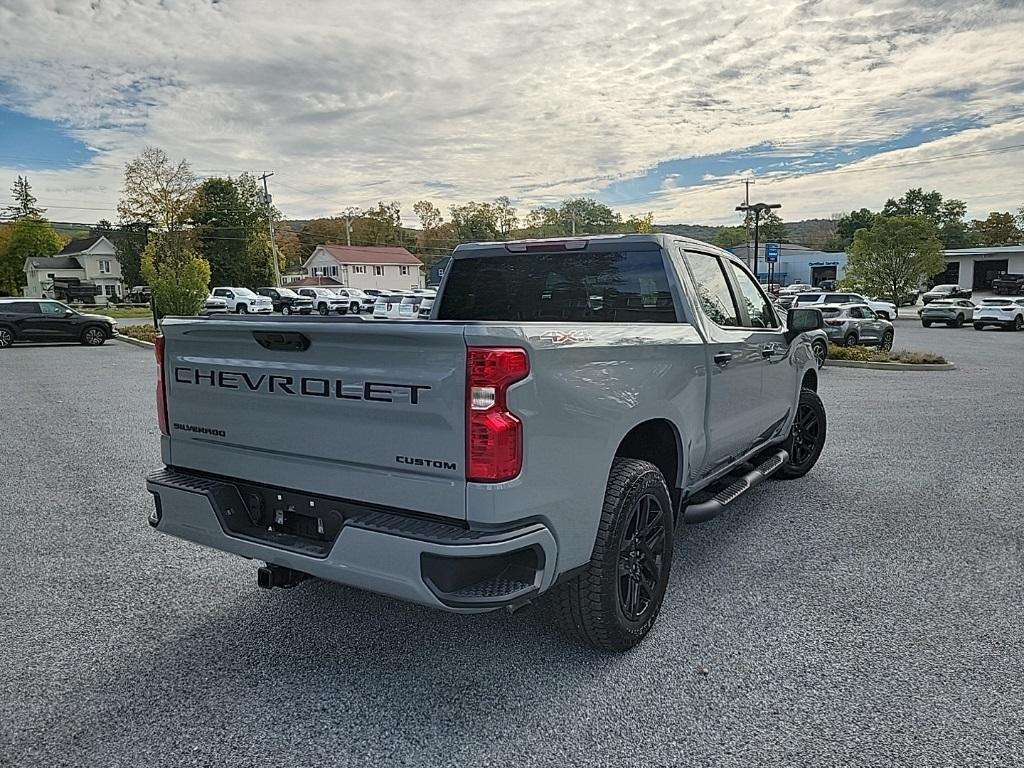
826	285
387	306
853	325
409	309
48	320
946	291
243	301
358	300
1010	283
886	309
511	466
139	294
286	301
817	337
1004	313
952	312
325	300
214	305
795	288
425	307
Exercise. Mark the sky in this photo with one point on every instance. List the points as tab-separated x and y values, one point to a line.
651	106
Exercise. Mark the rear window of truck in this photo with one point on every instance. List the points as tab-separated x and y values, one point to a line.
616	287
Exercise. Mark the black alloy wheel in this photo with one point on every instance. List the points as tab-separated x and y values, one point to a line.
323	310
808	434
93	336
850	340
6	338
641	558
887	340
242	309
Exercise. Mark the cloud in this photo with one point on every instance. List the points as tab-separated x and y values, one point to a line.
354	102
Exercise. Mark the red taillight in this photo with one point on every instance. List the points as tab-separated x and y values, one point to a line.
494	436
161	390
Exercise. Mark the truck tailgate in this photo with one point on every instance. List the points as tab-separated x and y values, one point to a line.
352	409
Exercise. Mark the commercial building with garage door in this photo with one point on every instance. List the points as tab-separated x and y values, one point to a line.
975	268
796	264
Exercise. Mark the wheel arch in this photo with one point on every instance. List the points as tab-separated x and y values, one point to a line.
810	380
657	441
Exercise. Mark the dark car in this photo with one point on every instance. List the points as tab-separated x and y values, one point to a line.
1010	283
286	301
946	292
47	320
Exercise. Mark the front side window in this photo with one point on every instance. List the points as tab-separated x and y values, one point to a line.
759	309
597	287
52	308
713	290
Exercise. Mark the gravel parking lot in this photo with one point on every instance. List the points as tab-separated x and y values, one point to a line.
868	614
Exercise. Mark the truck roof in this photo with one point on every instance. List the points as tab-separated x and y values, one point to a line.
610	242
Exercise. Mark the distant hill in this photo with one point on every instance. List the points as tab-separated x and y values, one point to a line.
814	233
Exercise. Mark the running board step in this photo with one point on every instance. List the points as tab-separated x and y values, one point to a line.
699	513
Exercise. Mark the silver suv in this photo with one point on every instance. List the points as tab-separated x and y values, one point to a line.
856	324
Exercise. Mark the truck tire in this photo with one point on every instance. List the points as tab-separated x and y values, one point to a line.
354	307
322	309
615	601
807	437
242	309
286	309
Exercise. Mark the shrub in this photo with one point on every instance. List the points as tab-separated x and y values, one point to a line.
875	355
140	332
178	277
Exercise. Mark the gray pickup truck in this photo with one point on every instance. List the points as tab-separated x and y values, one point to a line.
568	404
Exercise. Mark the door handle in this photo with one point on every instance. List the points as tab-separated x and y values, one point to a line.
722	359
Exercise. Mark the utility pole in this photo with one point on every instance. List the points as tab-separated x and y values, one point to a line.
270	225
746	226
349	213
757	209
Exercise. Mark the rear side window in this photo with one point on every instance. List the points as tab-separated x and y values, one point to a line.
616	287
807	298
829	312
20	308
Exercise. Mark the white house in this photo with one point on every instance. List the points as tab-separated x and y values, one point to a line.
381	266
90	259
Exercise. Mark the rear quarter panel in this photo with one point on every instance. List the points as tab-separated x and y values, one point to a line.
589	384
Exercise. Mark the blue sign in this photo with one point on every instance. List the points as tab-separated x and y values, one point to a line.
771	252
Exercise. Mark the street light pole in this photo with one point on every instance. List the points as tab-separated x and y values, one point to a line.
757	209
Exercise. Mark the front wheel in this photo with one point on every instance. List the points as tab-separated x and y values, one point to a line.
807	436
354	307
615	601
6	338
323	310
1018	323
820	353
93	336
979	327
959	322
886	342
242	309
285	309
926	323
850	340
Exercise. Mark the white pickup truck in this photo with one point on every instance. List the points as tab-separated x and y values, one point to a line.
243	301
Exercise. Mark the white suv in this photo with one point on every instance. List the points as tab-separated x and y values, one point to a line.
885	309
1004	313
243	301
325	300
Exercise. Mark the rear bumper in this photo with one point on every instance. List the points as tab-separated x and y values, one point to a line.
432	563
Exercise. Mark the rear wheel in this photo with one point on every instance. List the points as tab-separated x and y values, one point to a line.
6	338
807	437
615	601
959	322
850	340
93	336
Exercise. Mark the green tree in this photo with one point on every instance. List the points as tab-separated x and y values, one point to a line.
849	223
319	231
772	229
505	218
28	236
730	237
24	201
178	277
129	241
997	229
474	222
381	225
288	247
946	214
635	223
892	257
158	192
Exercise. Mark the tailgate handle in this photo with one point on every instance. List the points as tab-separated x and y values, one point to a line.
294	342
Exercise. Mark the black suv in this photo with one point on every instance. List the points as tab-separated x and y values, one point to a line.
286	301
1010	283
48	320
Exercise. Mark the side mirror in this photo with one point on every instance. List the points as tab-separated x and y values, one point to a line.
802	319
68	313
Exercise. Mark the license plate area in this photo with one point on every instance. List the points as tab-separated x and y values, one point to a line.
281	518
